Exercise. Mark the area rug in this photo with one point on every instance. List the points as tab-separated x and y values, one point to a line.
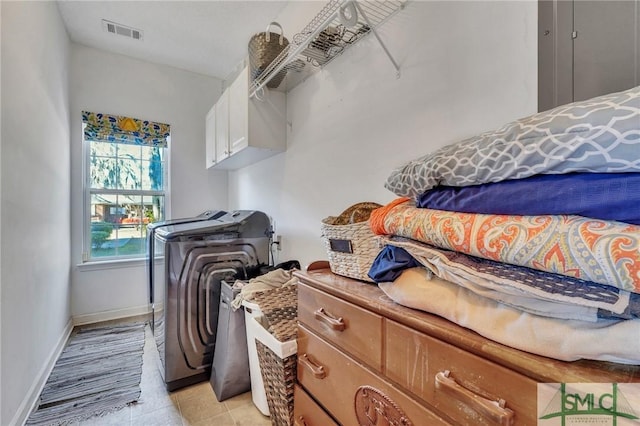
97	373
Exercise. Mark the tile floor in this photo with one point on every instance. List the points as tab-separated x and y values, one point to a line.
195	405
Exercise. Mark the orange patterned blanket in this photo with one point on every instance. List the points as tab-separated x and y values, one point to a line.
604	252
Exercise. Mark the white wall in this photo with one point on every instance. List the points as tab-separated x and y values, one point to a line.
0	231
114	84
35	200
466	67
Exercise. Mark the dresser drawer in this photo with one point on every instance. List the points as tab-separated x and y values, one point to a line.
306	412
345	387
356	330
463	386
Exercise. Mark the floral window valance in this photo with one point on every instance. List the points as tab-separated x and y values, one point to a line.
126	130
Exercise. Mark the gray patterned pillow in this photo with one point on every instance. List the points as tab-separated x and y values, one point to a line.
600	135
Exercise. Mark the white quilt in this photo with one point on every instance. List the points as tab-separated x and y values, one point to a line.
566	340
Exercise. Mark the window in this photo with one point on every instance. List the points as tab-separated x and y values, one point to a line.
125	184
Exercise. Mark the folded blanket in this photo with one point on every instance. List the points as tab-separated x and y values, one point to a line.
390	263
529	290
607	196
269	281
604	252
599	135
566	340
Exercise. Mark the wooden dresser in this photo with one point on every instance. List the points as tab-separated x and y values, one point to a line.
365	360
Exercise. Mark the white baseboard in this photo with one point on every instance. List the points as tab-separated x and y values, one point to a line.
115	314
31	399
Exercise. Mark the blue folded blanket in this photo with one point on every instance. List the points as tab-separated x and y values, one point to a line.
607	196
390	263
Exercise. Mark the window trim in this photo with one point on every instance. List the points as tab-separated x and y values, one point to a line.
95	263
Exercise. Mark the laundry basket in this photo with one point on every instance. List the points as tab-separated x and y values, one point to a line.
351	245
277	350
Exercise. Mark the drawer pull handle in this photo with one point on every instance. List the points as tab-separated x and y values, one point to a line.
317	370
333	322
495	410
299	421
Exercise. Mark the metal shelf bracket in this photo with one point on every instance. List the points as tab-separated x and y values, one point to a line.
375	33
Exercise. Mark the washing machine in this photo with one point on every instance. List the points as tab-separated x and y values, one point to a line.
153	253
198	256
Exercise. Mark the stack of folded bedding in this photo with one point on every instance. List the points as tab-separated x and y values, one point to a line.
529	235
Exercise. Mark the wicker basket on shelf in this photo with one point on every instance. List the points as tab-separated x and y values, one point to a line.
351	245
263	48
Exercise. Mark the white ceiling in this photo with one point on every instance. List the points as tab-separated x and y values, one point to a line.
206	37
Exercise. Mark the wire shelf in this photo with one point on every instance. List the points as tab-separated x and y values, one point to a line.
339	25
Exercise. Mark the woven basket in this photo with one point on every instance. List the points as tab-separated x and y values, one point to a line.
280	309
278	376
263	49
351	245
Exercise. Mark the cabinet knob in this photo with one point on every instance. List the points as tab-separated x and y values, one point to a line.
335	323
494	410
299	421
317	370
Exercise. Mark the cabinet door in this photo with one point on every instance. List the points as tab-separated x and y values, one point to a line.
210	137
586	49
222	127
239	112
605	51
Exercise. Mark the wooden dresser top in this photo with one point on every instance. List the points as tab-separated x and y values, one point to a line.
539	368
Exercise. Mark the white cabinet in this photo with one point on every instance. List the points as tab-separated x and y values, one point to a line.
210	137
239	112
222	127
242	130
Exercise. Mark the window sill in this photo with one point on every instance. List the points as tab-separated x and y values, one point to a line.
114	264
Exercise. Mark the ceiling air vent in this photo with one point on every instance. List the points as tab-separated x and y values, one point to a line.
123	30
